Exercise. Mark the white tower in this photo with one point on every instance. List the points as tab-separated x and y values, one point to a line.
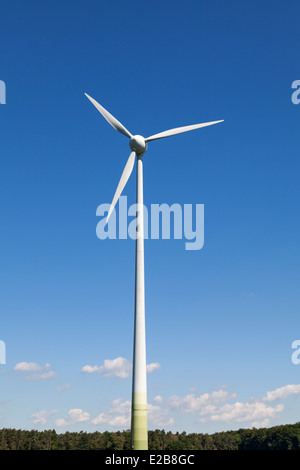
138	146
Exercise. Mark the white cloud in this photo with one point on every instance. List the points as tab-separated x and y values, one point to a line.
282	392
42	417
119	406
35	367
120	421
44	376
261	424
101	418
153	366
119	367
253	412
90	369
208	409
191	403
159	416
158	399
74	416
63	388
220	406
30	366
118	414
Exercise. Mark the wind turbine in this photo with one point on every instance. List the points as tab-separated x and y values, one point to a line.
138	145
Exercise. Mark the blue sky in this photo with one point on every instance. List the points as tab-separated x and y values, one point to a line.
220	321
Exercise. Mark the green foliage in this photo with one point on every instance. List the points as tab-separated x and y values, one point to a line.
285	437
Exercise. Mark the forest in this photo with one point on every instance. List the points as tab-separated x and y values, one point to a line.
284	437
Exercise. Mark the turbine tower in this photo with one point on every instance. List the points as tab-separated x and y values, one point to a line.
138	145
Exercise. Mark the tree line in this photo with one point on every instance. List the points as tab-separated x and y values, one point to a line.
284	437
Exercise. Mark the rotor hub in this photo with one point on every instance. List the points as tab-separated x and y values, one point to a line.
138	145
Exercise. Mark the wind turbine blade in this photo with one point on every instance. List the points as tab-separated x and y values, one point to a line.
124	178
179	130
112	120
